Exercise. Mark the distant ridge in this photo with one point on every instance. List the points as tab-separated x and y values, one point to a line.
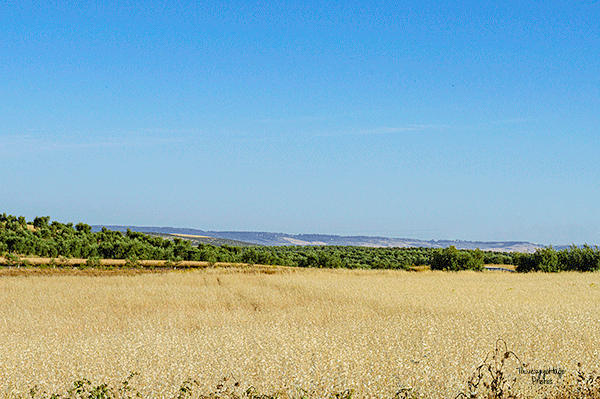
264	238
197	239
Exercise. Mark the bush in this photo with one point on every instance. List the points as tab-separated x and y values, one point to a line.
523	262
453	259
584	259
11	259
93	261
497	258
133	262
543	259
546	259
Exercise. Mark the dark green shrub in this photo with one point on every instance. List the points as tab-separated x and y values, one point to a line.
546	259
93	262
543	259
584	259
524	262
453	259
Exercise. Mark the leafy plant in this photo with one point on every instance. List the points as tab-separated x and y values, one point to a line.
84	389
11	259
405	393
133	262
490	379
452	259
581	385
94	261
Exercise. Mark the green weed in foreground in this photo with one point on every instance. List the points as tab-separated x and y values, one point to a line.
490	380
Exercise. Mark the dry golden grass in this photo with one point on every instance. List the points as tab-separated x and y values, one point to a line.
76	271
322	331
62	262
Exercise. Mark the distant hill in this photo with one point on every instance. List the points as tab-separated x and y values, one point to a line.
196	239
238	238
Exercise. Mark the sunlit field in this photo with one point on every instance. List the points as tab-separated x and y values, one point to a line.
294	332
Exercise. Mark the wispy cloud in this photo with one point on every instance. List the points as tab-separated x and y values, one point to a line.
424	127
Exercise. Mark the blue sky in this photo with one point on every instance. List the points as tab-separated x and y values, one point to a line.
430	120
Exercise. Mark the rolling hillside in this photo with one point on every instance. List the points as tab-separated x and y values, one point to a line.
244	238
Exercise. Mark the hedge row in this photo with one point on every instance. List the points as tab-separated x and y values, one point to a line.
548	259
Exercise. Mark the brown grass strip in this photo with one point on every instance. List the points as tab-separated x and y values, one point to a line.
35	266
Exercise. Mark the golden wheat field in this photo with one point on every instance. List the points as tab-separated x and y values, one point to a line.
313	332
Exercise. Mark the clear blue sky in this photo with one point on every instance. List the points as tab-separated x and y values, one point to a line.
431	120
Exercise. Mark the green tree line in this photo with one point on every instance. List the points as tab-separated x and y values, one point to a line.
586	259
54	239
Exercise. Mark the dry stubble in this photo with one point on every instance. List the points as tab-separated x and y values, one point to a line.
318	330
